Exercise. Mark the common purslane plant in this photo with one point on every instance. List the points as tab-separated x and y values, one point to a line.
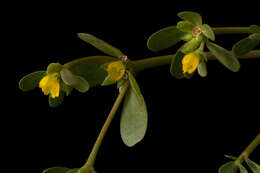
115	68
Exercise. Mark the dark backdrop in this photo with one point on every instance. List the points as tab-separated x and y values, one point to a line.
192	123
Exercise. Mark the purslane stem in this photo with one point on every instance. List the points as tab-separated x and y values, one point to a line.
231	30
91	160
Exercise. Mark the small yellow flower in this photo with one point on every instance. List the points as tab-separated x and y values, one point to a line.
50	85
190	62
116	70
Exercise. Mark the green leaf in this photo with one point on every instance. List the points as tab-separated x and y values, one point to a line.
176	65
134	119
187	37
255	28
100	45
245	45
228	167
202	69
108	81
242	168
191	45
231	157
208	32
191	17
91	68
31	80
185	26
224	56
79	83
75	170
54	68
253	166
56	170
135	86
164	38
55	102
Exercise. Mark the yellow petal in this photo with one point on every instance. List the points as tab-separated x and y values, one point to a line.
55	91
43	81
116	70
190	63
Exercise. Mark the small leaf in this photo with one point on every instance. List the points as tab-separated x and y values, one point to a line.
79	83
247	44
100	45
135	86
255	28
228	167
208	32
185	26
134	119
164	38
191	17
56	170
53	68
224	56
55	102
253	166
242	168
191	45
231	157
187	37
176	65
202	69
31	80
108	81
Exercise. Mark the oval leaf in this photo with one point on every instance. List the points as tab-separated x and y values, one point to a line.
202	69
185	26
134	119
75	81
253	166
164	38
228	167
191	17
31	80
135	86
224	56
56	170
245	45
90	68
55	102
191	45
100	45
255	28
53	68
176	65
208	32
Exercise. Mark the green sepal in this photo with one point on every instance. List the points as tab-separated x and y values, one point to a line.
191	17
185	26
55	102
202	69
121	82
31	81
56	170
134	119
188	75
187	37
254	28
164	38
54	68
224	56
247	44
228	167
208	32
241	168
253	166
90	68
77	82
66	88
191	45
134	85
100	45
176	65
108	81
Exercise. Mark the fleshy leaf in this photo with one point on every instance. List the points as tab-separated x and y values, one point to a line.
75	170
246	44
79	83
100	45
56	170
228	167
202	69
185	26
164	38
108	81
134	119
55	102
191	17
191	45
91	68
53	68
253	166
208	32
135	86
255	28
176	65
31	80
187	37
242	169
224	56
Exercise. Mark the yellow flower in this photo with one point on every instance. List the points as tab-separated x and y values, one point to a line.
116	70
50	85
190	62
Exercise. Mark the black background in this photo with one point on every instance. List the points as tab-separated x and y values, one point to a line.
192	123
